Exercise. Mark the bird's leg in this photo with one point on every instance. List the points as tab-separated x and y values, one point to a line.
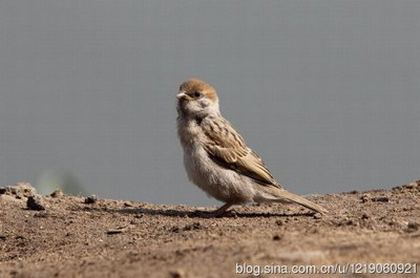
220	211
215	213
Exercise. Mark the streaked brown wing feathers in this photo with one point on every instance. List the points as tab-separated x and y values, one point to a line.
228	148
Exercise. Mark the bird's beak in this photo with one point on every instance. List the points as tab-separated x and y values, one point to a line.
181	95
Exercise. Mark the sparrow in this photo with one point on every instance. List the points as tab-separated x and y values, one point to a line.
216	157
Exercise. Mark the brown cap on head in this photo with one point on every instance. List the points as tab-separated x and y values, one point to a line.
195	85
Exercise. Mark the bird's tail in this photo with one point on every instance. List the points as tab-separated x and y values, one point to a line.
283	196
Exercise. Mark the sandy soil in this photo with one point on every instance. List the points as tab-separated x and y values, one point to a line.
75	237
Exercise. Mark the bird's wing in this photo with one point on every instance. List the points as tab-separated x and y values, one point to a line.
226	147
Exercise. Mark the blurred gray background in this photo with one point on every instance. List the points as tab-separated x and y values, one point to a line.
328	92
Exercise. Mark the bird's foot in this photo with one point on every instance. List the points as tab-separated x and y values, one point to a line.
220	212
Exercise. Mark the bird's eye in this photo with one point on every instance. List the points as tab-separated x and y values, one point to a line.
197	94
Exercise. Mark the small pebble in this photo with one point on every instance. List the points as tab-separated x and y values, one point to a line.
91	199
178	273
277	237
35	203
364	198
57	193
412	226
317	216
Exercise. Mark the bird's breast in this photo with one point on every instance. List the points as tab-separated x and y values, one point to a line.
189	133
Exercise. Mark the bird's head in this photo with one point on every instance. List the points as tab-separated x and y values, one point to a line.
196	98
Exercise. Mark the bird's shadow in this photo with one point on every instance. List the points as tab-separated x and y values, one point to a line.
198	214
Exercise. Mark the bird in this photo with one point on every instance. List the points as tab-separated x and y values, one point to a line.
217	158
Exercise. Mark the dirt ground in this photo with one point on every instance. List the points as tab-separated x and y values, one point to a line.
79	237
